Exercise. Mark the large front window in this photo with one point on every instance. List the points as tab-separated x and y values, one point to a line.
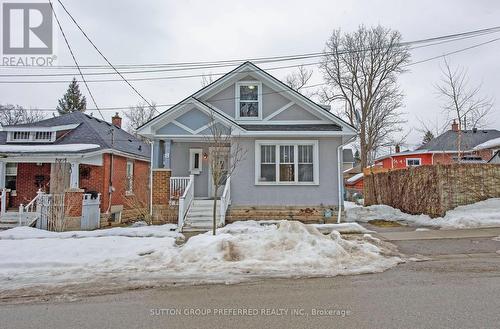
287	162
248	98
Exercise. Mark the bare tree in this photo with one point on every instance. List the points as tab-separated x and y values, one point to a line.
139	115
299	79
361	71
225	155
15	114
462	102
207	79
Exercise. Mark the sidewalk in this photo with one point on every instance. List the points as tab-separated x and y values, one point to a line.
489	232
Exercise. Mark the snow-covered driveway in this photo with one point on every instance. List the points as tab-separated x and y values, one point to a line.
30	258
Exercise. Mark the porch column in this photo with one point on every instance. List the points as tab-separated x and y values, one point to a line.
3	201
75	175
167	145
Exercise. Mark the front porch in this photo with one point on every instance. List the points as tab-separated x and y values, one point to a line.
46	193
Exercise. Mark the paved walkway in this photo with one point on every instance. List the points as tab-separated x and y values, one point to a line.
440	234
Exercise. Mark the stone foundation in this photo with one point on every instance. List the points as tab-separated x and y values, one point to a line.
303	214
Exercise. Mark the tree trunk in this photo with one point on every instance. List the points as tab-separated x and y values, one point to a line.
364	150
214	210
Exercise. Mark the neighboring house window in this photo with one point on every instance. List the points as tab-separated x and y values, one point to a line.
11	176
195	161
31	136
43	135
21	135
130	176
413	162
287	162
249	100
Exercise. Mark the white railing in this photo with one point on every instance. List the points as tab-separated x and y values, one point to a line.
177	187
225	200
26	211
185	202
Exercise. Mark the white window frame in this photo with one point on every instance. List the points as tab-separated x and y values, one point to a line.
130	178
414	159
296	143
192	169
237	101
31	136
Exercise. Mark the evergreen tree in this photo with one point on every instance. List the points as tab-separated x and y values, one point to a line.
73	100
428	136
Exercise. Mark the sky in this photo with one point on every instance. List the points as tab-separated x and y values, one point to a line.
138	32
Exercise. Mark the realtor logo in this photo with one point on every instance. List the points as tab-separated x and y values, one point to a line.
27	29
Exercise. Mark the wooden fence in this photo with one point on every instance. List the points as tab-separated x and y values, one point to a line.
433	190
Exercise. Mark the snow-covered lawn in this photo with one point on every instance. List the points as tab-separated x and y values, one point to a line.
239	252
481	214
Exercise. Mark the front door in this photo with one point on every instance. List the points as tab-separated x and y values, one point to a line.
218	161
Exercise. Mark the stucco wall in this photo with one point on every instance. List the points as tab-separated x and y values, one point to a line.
244	192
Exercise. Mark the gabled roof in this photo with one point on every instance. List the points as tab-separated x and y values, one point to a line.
91	130
448	141
249	68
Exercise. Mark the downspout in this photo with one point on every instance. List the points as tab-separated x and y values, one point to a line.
340	175
151	180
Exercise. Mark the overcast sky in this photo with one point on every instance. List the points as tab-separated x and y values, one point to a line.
135	32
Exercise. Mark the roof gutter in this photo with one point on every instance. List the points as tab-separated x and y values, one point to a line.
340	176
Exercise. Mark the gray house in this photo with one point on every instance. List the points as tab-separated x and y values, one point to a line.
292	165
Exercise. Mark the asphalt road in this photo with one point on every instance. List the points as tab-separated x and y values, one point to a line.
460	288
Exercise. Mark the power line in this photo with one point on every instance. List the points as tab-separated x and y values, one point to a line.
230	62
74	58
102	55
222	73
442	40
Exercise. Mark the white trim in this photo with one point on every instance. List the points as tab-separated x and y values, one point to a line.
314	143
238	101
275	113
286	122
38	128
180	125
192	152
413	159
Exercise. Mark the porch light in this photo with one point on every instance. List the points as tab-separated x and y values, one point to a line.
205	156
251	87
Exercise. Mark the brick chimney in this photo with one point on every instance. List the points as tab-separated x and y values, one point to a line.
116	120
454	126
398	148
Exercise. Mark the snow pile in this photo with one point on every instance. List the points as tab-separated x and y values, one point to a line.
481	214
238	252
352	228
156	231
48	148
355	178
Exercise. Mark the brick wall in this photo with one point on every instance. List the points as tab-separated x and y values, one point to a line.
161	186
27	184
433	190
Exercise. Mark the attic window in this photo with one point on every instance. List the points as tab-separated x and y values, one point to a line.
21	135
31	136
249	100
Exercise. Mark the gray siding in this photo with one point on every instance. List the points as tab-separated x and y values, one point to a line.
271	102
180	165
244	192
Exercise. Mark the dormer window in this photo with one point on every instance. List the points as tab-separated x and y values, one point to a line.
249	100
21	136
31	136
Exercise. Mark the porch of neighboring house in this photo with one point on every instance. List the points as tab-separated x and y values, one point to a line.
46	193
183	187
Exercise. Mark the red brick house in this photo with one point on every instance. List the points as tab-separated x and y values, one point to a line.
441	150
78	156
444	149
